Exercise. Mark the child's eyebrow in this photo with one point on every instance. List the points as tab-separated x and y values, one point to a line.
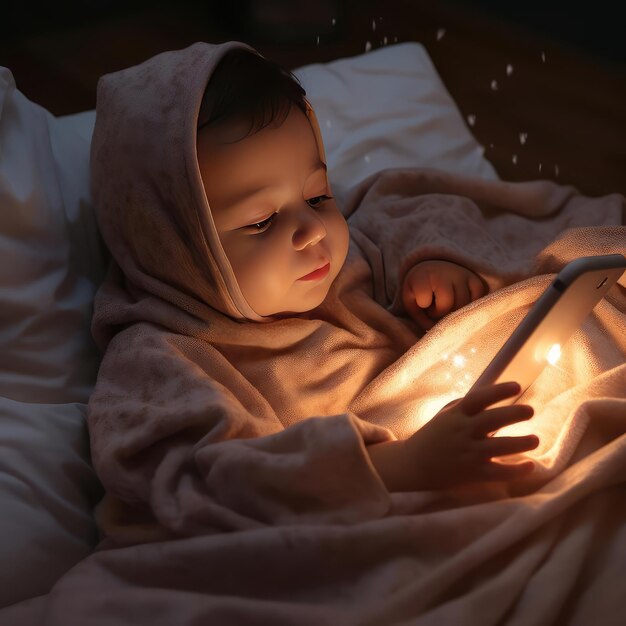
248	194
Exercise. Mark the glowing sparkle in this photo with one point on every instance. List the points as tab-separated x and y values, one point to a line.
459	360
373	24
334	21
368	46
385	40
554	354
509	69
471	119
514	159
318	40
494	85
440	34
543	56
473	350
395	39
540	166
556	170
523	137
367	158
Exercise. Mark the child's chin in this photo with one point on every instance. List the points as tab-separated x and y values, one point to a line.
311	303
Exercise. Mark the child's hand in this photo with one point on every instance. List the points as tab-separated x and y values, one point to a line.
455	447
433	289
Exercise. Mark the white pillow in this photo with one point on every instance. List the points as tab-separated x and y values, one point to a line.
47	492
51	265
386	108
52	259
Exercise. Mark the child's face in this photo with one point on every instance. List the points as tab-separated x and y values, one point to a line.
288	229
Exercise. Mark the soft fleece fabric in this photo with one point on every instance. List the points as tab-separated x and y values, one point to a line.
233	449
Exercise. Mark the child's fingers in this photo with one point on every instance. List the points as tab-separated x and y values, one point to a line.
462	296
422	289
476	287
480	398
411	307
494	419
444	299
501	446
509	471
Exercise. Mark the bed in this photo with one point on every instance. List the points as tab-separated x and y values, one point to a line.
54	260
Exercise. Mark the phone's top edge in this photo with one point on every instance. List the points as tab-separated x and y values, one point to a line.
590	264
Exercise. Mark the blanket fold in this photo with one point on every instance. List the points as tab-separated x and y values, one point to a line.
495	228
202	459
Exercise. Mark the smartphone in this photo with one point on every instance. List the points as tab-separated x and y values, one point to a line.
560	310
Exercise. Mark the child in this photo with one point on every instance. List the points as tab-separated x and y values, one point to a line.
243	319
286	260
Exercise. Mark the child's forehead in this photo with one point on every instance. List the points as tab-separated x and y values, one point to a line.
241	184
247	133
275	143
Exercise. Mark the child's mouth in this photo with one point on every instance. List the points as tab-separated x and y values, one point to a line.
318	274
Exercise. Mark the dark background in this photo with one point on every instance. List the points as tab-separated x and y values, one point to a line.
566	92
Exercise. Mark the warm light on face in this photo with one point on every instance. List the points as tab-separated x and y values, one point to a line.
554	354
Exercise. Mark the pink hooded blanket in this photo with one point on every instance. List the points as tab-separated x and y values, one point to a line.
233	448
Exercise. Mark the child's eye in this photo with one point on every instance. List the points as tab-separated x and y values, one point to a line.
323	199
264	225
260	227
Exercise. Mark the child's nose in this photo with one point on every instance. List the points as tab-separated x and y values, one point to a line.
310	229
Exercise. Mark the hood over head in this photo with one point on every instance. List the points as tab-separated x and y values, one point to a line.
150	200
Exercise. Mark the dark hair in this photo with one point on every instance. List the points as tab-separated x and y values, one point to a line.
246	86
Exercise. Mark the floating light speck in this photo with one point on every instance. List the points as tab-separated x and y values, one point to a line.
373	24
471	119
494	85
368	46
334	21
385	41
395	39
514	159
473	350
440	33
509	69
318	40
556	170
540	166
523	137
367	158
491	145
327	123
543	56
